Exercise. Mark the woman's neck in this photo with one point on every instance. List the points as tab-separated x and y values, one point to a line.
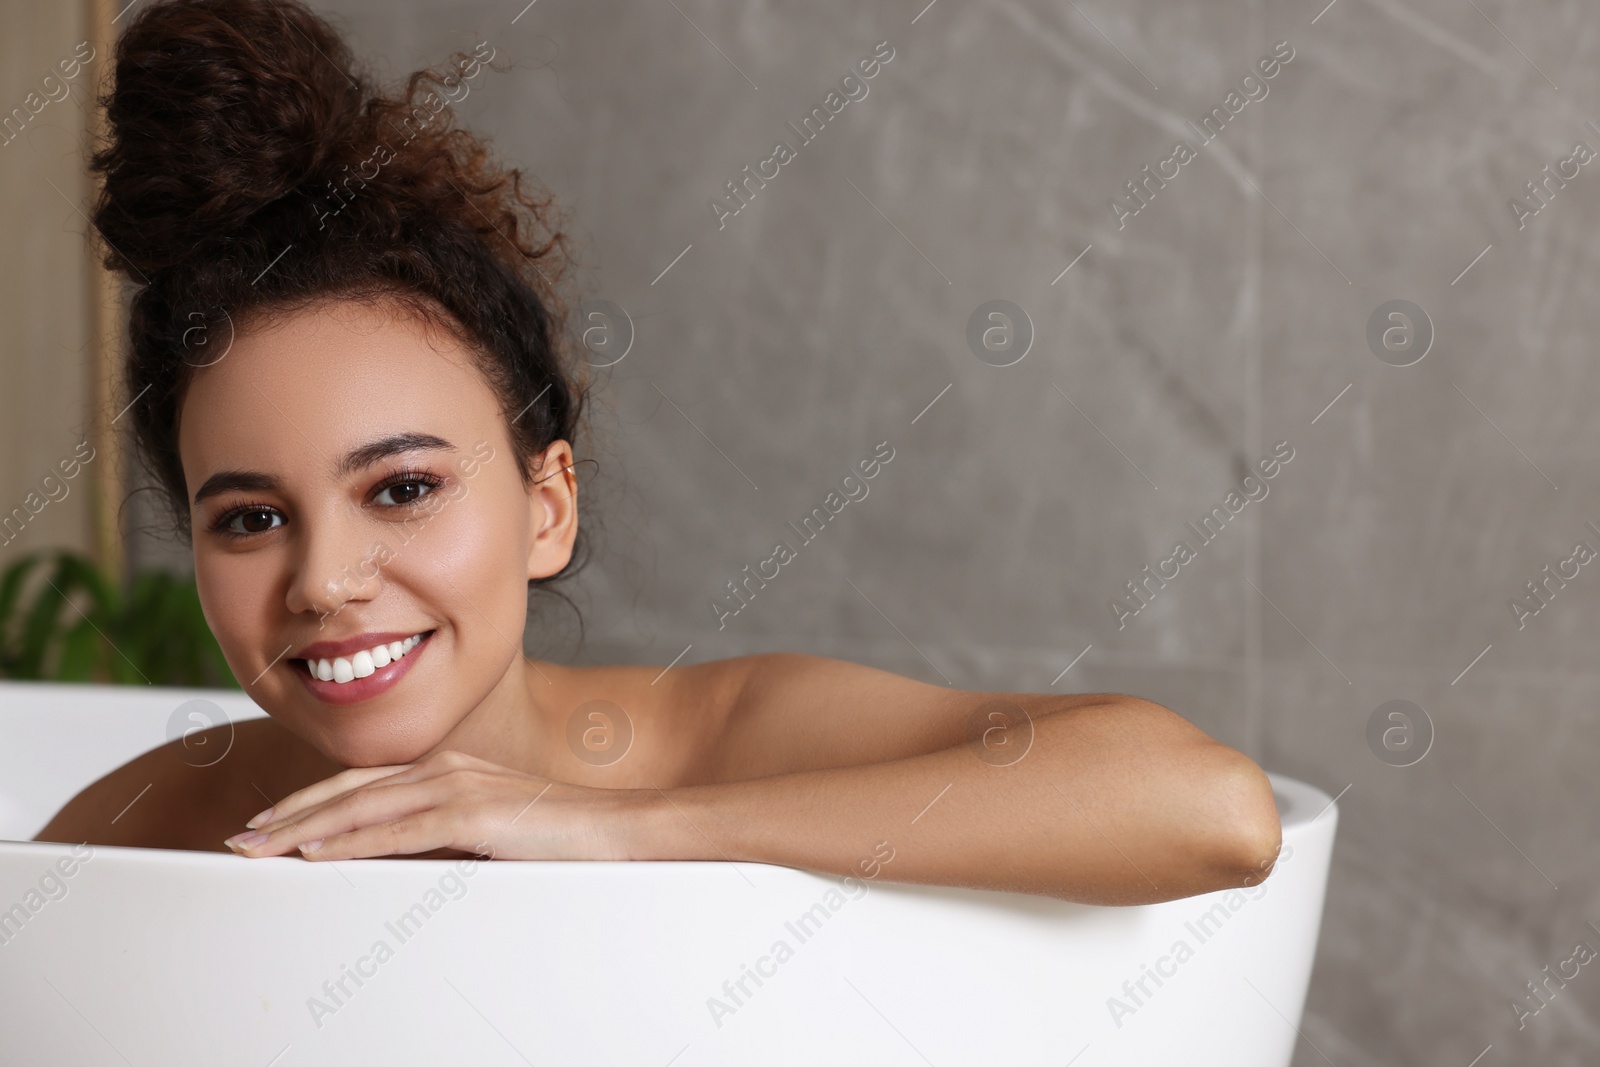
516	723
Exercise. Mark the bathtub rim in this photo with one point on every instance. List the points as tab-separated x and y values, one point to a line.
1300	805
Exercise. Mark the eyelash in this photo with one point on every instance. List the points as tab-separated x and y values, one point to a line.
407	476
401	477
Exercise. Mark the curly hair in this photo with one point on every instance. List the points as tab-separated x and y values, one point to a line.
251	171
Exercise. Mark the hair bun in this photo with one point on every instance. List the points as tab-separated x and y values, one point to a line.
219	108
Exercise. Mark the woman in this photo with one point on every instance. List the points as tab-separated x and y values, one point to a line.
348	376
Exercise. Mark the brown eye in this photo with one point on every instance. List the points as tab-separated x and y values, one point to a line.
255	520
402	493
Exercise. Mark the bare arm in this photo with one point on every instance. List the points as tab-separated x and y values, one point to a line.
1114	800
831	766
161	799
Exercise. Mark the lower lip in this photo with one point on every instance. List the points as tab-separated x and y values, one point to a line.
375	684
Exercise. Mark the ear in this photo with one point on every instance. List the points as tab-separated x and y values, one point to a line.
553	511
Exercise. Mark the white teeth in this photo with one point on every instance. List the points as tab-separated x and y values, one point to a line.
342	669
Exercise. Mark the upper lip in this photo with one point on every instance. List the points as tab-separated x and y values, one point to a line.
351	645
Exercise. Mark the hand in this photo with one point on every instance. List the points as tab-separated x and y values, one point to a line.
451	800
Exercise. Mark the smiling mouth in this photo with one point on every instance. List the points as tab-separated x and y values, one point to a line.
342	670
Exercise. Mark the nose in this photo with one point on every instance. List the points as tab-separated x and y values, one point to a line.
334	568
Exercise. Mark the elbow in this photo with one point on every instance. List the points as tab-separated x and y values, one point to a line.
1213	824
1245	826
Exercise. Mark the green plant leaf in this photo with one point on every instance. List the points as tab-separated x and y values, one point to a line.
81	651
82	574
11	584
41	623
75	624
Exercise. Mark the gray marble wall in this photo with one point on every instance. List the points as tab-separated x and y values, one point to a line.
46	361
1171	350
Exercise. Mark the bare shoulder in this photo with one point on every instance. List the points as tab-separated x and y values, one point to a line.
677	712
779	713
792	711
722	720
169	798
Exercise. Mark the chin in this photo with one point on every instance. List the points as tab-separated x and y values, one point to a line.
381	753
366	746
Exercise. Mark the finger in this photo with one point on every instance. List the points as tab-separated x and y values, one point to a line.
375	803
299	805
424	831
302	800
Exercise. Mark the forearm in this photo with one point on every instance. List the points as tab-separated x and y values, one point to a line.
1111	804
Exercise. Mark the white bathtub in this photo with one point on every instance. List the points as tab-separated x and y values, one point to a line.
155	957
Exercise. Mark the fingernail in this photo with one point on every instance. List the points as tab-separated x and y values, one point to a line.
311	846
263	817
238	841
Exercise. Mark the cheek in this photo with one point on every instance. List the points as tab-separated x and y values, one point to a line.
476	561
235	595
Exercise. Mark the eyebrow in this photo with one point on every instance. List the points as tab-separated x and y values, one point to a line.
356	459
229	481
384	447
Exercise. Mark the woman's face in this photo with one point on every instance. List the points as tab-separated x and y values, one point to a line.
353	491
